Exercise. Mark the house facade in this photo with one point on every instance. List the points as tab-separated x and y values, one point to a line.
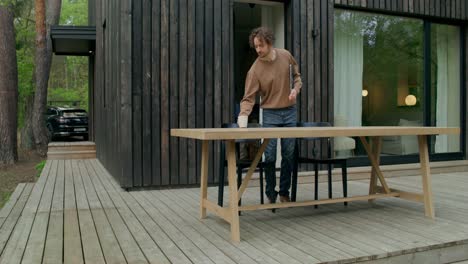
162	64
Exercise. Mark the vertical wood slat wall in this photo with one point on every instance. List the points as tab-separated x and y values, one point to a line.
165	64
160	65
310	39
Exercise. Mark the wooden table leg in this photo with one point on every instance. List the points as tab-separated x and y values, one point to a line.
204	179
253	166
233	192
375	163
426	176
376	146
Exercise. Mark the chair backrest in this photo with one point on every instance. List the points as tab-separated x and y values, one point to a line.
239	142
314	124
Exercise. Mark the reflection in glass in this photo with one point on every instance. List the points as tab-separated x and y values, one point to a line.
382	55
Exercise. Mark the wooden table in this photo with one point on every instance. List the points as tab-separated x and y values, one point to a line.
231	213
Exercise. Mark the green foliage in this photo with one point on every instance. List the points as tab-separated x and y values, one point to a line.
69	75
25	34
39	167
74	12
4	197
65	97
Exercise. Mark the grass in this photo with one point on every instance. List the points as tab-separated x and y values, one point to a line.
39	167
4	198
27	169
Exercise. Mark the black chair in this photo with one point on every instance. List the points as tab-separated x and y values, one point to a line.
329	161
241	164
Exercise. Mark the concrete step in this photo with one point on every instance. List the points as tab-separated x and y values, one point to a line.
78	154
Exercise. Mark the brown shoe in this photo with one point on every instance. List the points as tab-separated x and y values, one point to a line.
272	200
285	199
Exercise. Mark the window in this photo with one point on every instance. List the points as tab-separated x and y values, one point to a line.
445	84
380	77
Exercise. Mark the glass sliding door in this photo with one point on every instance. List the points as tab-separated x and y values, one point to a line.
380	69
445	84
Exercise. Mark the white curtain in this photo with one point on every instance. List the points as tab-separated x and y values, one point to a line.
348	63
448	86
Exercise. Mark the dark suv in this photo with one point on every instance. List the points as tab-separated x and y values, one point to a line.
64	122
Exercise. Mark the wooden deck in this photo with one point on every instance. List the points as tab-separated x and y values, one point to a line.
77	213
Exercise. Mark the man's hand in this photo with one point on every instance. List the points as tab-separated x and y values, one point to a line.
242	121
292	95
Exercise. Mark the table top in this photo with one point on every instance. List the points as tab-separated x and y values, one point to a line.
304	132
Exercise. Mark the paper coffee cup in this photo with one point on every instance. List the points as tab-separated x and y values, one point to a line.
242	121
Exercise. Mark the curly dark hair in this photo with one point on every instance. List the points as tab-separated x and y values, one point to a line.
262	33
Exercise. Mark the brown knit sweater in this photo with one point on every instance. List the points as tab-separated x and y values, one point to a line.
270	78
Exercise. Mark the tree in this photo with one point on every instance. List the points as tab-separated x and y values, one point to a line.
8	88
43	61
25	31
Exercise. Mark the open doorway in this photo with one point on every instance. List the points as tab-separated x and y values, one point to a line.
69	114
247	16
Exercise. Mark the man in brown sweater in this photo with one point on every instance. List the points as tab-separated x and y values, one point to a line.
270	77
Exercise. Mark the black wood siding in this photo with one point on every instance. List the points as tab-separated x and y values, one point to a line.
160	65
163	64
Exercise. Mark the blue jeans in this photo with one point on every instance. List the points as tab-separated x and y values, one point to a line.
283	117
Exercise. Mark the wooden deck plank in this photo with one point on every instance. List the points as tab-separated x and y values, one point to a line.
305	228
204	244
72	249
325	253
53	252
374	235
109	243
334	247
448	209
308	223
271	245
149	250
129	246
408	222
12	219
10	204
92	250
169	248
190	249
301	237
15	248
78	213
388	233
179	206
221	229
247	246
283	241
220	242
34	251
435	231
345	214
